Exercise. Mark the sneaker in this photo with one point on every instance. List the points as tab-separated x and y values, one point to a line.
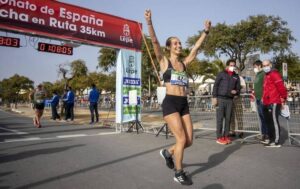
182	178
273	145
221	141
265	141
227	140
169	160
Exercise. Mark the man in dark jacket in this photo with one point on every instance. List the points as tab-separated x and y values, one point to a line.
227	85
70	100
94	98
274	95
54	104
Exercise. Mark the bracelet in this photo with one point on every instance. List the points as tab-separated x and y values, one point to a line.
149	23
206	32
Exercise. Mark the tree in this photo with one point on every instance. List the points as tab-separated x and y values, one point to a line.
107	58
257	33
58	86
105	82
16	88
109	82
211	69
293	62
48	86
79	83
72	70
78	68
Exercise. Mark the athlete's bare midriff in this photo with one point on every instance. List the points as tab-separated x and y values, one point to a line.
175	90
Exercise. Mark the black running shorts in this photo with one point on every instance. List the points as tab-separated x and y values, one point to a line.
39	106
172	104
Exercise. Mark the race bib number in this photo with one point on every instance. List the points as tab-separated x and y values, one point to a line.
178	78
40	101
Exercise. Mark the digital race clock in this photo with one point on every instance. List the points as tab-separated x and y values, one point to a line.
51	48
9	42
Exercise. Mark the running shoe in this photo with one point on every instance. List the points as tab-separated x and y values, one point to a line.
182	178
221	141
169	160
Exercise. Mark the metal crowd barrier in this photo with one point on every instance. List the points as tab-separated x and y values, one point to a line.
293	123
245	117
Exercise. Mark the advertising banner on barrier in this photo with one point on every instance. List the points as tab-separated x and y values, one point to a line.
54	19
128	85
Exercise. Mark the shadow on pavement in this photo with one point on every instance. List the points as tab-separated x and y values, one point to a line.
2	175
214	159
6	173
29	154
214	186
89	168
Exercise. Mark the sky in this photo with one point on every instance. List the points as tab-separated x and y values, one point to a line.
181	18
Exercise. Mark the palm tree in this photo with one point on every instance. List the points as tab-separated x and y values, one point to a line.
107	58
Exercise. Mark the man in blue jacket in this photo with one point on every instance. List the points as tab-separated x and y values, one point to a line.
54	104
70	99
227	85
93	99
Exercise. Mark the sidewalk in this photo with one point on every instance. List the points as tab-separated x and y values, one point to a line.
82	115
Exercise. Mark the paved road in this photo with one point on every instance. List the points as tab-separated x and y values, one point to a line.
62	155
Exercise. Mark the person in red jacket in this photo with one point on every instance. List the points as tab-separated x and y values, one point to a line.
274	95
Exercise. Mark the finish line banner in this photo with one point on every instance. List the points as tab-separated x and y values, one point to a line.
128	86
53	19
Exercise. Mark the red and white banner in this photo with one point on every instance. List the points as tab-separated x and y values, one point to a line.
50	18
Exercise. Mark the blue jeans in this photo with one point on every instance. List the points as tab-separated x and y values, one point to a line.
264	129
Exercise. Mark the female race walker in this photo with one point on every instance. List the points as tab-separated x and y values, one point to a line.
39	95
175	106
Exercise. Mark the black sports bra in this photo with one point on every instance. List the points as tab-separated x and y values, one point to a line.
175	77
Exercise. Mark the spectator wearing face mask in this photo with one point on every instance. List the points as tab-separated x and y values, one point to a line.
274	95
227	85
258	92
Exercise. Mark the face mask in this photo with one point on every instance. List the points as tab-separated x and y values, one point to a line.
267	69
231	68
256	70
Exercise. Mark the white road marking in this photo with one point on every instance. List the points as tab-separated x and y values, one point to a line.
21	139
108	133
56	137
12	132
71	136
